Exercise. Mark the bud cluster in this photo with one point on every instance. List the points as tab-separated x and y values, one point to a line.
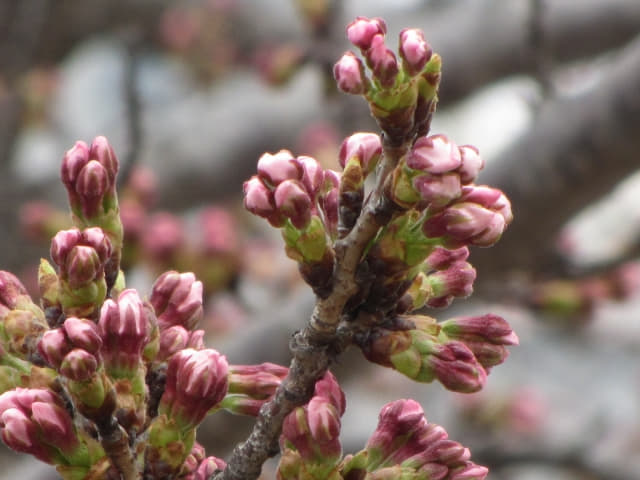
458	352
402	97
405	445
297	195
250	386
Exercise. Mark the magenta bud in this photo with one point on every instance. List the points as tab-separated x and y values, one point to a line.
196	340
350	75
455	366
92	183
256	381
366	147
382	61
324	423
328	387
208	467
53	346
258	198
455	281
279	167
79	365
441	258
62	244
469	471
11	289
172	340
397	420
102	151
20	434
471	164
312	174
414	50
83	265
435	154
490	198
361	31
73	162
83	333
438	191
466	222
293	202
123	324
177	299
197	380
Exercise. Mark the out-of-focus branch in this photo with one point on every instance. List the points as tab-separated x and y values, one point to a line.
576	150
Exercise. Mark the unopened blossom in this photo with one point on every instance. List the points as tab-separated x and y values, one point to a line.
435	154
455	366
471	163
197	380
382	61
177	299
441	258
256	381
350	75
365	147
414	50
455	281
124	328
361	31
486	336
293	202
276	168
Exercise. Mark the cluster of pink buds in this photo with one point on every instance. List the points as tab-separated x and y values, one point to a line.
82	258
402	97
458	352
310	435
35	421
297	195
405	445
199	467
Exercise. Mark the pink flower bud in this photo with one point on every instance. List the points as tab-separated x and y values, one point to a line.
455	366
490	198
11	289
293	202
73	162
83	266
361	31
435	154
20	434
83	333
350	75
471	164
329	200
397	420
92	183
328	387
469	471
81	255
79	365
256	381
177	300
414	50
172	340
124	328
366	147
442	258
197	380
455	281
208	467
438	191
62	244
382	61
258	198
53	346
312	174
102	151
277	168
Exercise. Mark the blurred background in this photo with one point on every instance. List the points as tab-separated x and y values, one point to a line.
190	93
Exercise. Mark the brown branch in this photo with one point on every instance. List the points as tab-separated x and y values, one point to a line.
316	347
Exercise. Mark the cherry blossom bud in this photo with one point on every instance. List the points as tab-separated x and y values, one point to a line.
275	169
396	422
208	467
79	365
124	328
293	202
438	191
366	147
441	258
455	366
11	291
490	198
74	160
312	174
197	380
177	299
83	333
435	154
91	185
102	151
361	31
414	50
469	471
350	75
329	201
256	381
382	62
172	340
485	335
471	164
53	346
455	281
